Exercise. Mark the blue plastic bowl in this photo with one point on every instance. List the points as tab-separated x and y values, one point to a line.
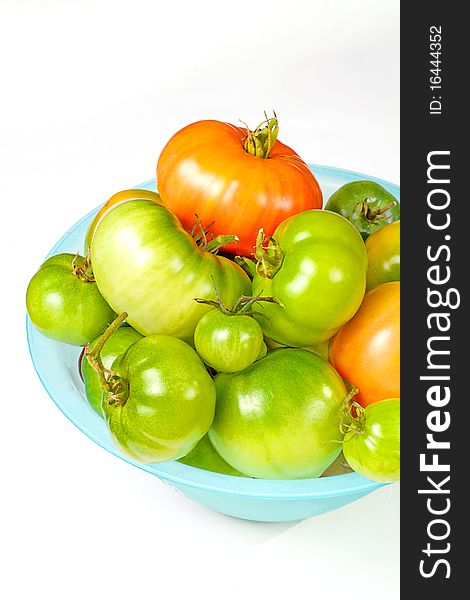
254	499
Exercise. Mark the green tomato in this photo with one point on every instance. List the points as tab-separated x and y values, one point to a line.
383	251
204	456
116	345
64	302
315	266
228	342
372	444
161	403
146	264
278	419
366	204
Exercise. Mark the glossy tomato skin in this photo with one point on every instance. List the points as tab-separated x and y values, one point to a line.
170	404
366	351
375	452
205	170
63	306
358	201
147	265
204	456
383	252
116	345
278	419
118	198
320	283
228	343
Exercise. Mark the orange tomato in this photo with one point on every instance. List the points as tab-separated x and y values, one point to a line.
208	169
366	351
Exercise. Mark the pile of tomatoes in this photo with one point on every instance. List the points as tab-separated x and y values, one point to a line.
230	322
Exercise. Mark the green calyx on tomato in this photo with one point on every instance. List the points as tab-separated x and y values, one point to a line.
116	345
371	442
383	251
260	141
230	340
366	204
248	265
204	237
146	264
158	399
315	265
64	302
278	419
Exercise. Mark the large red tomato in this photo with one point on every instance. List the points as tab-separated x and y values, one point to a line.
238	180
366	351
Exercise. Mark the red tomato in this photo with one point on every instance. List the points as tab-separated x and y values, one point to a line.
366	351
205	170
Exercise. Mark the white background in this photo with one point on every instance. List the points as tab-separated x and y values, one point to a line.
90	92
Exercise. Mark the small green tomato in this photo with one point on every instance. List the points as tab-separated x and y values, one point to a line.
372	439
64	302
366	204
230	339
228	343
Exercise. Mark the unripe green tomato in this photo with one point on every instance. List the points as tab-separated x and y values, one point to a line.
383	251
64	302
315	266
148	266
168	401
372	448
366	204
228	343
116	345
278	419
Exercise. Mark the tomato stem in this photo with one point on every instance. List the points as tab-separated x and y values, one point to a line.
268	254
372	215
247	265
352	416
82	268
260	141
204	237
243	306
221	240
115	387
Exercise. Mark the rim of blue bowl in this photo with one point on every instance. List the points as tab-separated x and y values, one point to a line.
180	474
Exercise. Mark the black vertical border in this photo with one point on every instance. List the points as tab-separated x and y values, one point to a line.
422	133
